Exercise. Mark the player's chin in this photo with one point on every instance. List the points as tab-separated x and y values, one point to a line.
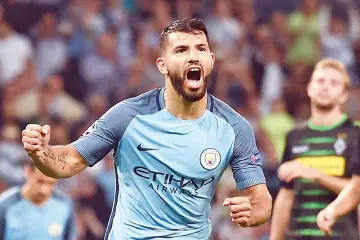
40	198
325	104
194	94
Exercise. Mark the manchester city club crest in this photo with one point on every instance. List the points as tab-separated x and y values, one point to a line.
210	159
55	229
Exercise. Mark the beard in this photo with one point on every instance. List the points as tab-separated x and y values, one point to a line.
178	83
324	107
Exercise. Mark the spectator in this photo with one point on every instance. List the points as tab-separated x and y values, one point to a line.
46	37
188	8
337	43
16	58
303	27
93	208
12	156
273	81
224	30
276	125
49	100
101	69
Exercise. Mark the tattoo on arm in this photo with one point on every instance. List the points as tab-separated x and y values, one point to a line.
52	158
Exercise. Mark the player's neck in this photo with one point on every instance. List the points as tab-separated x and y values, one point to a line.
326	118
181	108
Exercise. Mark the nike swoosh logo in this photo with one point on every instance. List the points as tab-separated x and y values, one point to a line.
140	148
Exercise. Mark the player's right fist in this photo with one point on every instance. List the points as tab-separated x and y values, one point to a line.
35	137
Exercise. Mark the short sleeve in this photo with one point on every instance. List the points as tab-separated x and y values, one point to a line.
246	159
104	135
355	156
287	157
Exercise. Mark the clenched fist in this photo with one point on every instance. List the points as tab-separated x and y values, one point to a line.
35	138
240	210
326	219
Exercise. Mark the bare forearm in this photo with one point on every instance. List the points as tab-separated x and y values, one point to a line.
260	213
280	221
281	214
334	184
347	200
261	204
58	162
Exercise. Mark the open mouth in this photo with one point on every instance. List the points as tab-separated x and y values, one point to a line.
193	77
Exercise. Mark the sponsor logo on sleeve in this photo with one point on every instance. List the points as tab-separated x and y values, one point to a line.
255	157
90	129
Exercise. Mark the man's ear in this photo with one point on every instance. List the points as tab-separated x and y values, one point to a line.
213	60
161	65
344	97
308	89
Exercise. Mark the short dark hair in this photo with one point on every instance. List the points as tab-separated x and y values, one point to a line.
186	25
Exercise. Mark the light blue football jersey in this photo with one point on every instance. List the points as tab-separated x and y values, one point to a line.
22	220
167	168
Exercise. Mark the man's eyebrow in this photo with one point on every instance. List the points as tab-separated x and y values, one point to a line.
181	46
202	45
187	46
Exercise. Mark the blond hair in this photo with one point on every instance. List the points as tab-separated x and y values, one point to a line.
336	65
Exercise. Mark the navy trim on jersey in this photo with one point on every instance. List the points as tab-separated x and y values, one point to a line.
68	227
211	104
113	211
158	99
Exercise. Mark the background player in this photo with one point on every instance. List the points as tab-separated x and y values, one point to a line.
316	160
171	148
36	210
348	199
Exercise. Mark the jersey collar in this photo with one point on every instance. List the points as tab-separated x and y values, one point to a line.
161	100
314	127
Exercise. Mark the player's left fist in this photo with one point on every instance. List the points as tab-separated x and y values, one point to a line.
326	219
240	210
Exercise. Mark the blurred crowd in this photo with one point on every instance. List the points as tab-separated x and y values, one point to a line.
65	62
